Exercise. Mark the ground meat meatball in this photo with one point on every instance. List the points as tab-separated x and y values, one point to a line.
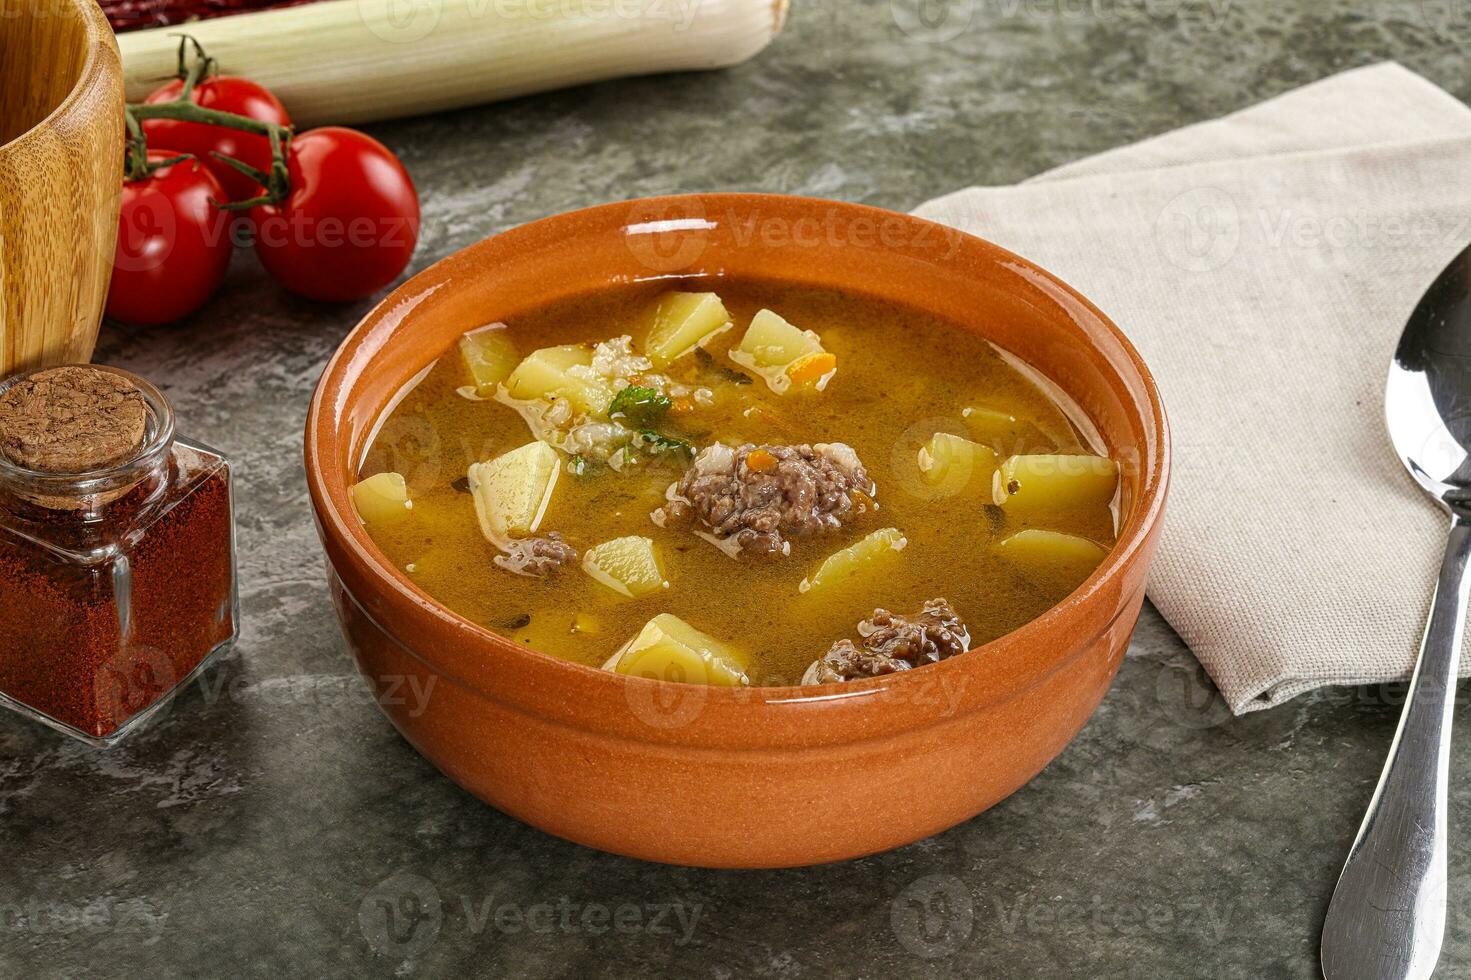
759	497
891	643
537	557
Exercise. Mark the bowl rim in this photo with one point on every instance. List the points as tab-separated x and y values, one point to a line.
99	35
331	501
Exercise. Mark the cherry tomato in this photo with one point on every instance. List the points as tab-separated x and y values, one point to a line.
348	225
228	94
173	243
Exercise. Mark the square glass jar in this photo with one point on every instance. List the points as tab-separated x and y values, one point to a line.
117	585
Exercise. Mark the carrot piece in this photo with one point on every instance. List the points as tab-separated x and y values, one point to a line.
814	367
760	461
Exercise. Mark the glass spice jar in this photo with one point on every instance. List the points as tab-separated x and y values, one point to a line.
117	551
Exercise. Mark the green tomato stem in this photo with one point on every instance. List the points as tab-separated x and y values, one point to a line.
193	71
182	110
277	182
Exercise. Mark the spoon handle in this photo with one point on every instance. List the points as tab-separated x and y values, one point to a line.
1387	917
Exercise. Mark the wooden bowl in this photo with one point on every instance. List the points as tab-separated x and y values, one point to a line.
61	152
736	777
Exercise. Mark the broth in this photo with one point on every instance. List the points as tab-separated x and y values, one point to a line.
901	377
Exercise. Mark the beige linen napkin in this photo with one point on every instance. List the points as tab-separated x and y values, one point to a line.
1264	264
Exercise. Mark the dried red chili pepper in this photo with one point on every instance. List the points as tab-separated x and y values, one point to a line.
116	551
130	15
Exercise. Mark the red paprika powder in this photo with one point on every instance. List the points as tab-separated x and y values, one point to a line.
117	556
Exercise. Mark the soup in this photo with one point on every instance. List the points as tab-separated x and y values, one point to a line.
738	483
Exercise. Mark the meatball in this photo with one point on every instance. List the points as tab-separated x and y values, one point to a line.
891	643
537	557
760	497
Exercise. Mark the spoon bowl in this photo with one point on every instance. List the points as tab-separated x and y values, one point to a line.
1428	395
1387	917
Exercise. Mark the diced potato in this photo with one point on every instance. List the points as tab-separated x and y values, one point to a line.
865	556
491	356
954	462
1051	554
586	623
629	566
512	491
1055	482
1010	435
381	498
773	349
562	372
771	341
682	322
670	649
999	430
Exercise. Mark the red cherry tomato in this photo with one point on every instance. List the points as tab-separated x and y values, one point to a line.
350	222
227	94
173	244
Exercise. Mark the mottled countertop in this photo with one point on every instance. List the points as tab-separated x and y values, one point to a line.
244	834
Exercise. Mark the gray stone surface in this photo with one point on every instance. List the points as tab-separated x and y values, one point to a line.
252	830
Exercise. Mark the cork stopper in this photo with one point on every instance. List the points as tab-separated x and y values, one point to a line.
71	420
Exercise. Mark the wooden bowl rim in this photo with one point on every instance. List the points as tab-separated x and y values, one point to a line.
99	36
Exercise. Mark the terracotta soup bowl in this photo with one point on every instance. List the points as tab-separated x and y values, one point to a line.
733	777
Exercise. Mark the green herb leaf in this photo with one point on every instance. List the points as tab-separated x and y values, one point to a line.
657	443
640	405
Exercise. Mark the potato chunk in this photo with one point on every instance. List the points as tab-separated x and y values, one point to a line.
866	556
953	463
562	372
1002	431
629	566
1013	435
783	356
771	341
381	498
682	322
491	356
512	491
1055	482
669	649
1051	554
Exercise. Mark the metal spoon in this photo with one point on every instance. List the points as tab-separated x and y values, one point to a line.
1387	917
